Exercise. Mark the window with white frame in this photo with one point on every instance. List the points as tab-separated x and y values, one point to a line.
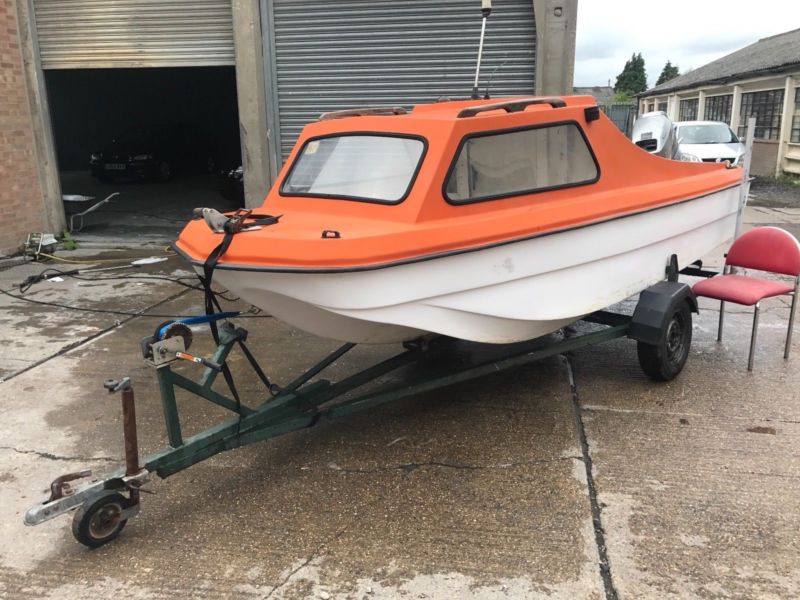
718	108
766	107
688	109
663	106
795	136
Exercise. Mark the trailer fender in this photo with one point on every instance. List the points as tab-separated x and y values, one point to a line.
655	307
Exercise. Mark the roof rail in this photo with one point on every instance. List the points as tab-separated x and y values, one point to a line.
362	112
511	106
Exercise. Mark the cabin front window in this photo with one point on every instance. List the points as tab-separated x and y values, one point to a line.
373	168
516	162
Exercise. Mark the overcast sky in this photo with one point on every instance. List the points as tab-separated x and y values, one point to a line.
690	33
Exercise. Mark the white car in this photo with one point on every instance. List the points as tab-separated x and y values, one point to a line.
709	141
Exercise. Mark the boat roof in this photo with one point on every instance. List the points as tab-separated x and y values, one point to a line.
446	109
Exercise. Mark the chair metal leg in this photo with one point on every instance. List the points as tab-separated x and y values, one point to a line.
792	312
753	338
721	319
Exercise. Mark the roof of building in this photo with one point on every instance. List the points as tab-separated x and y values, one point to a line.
604	94
768	55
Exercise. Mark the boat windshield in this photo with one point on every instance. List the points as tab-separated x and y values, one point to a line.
706	133
376	168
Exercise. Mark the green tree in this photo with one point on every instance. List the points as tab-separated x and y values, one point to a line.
621	98
633	79
669	71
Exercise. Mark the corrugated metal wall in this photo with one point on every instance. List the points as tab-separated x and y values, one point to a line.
336	55
134	33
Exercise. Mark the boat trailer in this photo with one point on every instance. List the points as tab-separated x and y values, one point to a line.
103	505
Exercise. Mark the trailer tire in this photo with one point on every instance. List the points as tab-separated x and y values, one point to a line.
664	360
99	519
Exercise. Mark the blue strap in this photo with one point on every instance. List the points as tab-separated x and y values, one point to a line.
199	319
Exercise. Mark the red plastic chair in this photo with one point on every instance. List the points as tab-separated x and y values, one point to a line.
764	249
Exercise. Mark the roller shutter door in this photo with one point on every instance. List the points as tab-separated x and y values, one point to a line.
354	53
82	34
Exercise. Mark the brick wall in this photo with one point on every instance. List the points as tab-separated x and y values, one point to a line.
21	197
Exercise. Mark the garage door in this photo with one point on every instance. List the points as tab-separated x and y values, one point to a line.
336	55
84	34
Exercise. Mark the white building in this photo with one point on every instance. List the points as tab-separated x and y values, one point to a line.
761	80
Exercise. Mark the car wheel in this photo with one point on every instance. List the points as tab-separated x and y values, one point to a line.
164	171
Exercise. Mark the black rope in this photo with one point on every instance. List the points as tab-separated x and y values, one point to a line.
50	272
107	311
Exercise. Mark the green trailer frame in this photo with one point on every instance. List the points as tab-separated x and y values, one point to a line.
105	504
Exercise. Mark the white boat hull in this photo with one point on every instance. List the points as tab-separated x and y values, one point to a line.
501	294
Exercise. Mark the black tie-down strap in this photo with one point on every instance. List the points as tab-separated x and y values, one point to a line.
239	221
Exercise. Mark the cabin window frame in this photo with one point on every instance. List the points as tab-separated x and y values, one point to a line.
526	192
384	134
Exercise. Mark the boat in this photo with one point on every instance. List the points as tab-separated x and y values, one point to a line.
486	220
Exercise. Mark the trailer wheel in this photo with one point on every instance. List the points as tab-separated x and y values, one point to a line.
99	520
664	360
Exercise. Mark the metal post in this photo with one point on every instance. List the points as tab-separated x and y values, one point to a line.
753	338
792	312
475	94
170	407
129	432
130	436
486	9
721	319
745	187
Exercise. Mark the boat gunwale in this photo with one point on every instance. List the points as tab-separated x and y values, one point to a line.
437	255
506	195
390	134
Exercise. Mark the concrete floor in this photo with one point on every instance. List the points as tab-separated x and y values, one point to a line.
476	491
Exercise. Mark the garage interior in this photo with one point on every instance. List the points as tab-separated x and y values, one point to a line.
153	84
107	69
93	110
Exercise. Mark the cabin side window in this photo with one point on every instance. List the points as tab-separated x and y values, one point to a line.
522	161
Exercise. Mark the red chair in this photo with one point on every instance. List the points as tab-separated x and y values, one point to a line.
764	249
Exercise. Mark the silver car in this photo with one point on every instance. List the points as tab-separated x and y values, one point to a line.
709	141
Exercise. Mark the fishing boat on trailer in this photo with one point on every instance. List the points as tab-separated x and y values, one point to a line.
486	220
